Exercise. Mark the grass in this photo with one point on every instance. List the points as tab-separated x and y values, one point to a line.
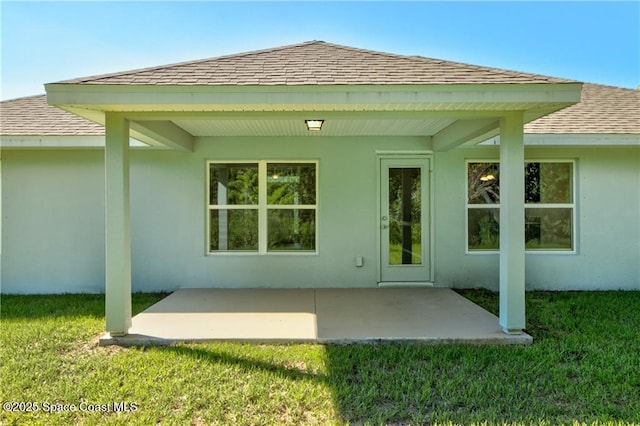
584	368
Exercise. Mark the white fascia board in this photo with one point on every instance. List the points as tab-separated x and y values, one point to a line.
47	141
366	97
573	139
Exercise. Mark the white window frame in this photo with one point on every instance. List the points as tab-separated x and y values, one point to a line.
572	206
262	207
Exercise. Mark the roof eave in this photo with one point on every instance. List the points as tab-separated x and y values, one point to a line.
438	97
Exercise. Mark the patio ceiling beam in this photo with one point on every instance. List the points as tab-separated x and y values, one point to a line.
165	133
462	131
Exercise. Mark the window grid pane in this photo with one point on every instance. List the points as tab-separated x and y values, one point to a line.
233	184
548	183
234	230
548	229
291	230
483	228
483	183
291	183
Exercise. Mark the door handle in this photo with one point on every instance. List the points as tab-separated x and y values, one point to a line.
385	226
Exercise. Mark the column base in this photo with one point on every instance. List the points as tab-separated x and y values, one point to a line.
512	331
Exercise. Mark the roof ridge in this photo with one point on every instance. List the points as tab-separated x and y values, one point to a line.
24	98
431	60
609	86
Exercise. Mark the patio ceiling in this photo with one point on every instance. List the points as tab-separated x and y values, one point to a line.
331	127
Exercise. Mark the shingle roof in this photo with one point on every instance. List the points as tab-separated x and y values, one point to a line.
602	109
32	116
315	63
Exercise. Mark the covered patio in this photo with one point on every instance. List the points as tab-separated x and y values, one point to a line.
420	315
249	108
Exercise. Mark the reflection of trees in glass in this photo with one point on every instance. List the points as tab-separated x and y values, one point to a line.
483	187
291	184
548	228
484	229
236	185
234	229
233	184
483	183
405	231
291	229
548	182
545	183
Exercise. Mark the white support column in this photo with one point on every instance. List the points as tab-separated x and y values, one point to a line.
118	241
512	306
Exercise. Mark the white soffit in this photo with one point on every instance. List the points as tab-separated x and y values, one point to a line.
331	127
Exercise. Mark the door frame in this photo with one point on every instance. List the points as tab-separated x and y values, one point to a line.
427	156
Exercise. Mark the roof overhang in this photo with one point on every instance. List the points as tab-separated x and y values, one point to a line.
58	141
576	139
450	115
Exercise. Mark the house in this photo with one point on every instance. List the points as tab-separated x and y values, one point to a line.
320	165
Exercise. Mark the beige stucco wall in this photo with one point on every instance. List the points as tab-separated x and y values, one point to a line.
53	219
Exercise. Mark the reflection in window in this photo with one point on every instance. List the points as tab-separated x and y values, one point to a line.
291	184
483	228
262	206
483	183
233	184
549	205
234	230
405	216
291	230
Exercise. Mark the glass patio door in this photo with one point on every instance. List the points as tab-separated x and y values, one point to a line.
404	227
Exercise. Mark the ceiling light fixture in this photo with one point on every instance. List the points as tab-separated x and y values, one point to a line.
314	125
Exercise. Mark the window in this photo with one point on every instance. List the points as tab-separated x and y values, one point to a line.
549	205
262	207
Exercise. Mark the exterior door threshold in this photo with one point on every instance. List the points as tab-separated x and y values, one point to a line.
405	284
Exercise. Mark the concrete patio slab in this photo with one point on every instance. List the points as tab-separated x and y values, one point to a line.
426	315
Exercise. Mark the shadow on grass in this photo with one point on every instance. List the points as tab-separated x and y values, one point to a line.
290	372
583	367
36	306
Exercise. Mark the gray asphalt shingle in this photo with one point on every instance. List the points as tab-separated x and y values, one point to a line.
315	63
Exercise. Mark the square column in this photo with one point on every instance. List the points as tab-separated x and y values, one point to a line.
118	240
512	299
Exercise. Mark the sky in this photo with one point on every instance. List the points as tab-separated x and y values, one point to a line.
50	41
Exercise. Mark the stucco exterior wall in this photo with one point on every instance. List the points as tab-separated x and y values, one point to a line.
53	219
169	225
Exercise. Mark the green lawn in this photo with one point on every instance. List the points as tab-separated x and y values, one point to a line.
584	368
